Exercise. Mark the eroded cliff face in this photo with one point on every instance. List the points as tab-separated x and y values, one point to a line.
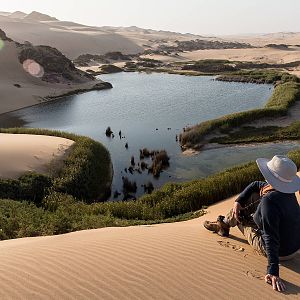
3	36
47	63
56	66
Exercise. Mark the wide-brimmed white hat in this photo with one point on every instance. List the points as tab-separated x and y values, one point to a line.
281	173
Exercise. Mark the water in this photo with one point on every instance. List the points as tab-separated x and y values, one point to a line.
141	103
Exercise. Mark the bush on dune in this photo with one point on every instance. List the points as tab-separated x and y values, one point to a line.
86	173
61	213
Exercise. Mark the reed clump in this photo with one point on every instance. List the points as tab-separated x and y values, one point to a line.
285	94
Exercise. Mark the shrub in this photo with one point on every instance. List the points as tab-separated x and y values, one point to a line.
30	186
86	173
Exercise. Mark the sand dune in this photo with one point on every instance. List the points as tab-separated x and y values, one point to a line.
260	55
20	153
167	261
68	37
288	38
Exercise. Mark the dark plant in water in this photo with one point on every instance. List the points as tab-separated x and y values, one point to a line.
116	194
144	165
129	186
160	162
108	131
144	153
131	170
148	187
132	162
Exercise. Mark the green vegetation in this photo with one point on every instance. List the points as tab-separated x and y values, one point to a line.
250	134
286	92
63	203
86	173
259	76
61	213
60	210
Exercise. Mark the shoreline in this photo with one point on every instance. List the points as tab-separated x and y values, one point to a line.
8	119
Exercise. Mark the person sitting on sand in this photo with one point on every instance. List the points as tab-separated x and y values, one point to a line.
268	215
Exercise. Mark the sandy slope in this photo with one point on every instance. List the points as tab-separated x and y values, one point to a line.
167	261
268	55
22	152
288	38
70	38
32	89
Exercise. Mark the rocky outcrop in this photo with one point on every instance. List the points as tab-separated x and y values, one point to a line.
198	44
85	60
4	37
107	69
211	66
55	65
278	46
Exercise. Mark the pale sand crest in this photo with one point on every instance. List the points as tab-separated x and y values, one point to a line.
20	153
167	261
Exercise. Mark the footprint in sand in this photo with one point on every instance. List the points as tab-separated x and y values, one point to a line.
254	274
231	246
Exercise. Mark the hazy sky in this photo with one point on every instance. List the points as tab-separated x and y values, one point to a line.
195	16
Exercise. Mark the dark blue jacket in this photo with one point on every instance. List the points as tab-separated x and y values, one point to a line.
278	218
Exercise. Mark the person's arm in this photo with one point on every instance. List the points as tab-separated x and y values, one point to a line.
270	226
270	219
253	187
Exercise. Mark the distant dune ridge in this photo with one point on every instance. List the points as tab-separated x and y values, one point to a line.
70	38
74	39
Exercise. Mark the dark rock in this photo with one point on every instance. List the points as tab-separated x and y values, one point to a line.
4	37
107	69
17	85
54	63
117	56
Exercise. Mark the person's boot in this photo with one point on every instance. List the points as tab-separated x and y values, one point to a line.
219	226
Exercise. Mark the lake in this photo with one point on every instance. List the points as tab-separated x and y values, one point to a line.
150	110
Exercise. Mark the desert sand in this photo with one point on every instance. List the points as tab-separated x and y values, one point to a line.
20	153
70	38
260	55
166	261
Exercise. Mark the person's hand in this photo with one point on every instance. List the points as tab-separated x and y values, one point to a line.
236	210
276	283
